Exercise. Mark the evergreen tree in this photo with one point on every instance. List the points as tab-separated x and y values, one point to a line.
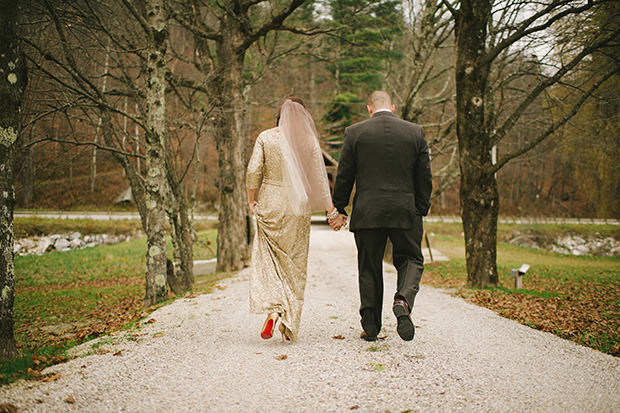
360	55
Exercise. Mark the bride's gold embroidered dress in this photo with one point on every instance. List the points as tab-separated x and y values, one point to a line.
280	250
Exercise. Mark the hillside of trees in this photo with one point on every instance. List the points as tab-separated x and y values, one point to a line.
359	46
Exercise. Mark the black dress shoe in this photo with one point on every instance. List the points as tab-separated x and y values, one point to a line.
367	337
405	328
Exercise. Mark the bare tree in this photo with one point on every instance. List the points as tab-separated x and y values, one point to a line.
485	31
135	52
223	32
423	84
13	79
155	27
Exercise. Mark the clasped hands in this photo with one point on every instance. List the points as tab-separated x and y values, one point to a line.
338	222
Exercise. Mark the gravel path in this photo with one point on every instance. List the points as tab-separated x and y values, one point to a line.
205	354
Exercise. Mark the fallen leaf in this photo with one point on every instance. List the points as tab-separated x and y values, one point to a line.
339	337
158	335
281	357
8	408
50	378
354	407
41	359
118	353
32	372
150	321
70	400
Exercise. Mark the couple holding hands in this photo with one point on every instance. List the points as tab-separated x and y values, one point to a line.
388	161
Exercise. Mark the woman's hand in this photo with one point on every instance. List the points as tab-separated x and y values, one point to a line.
251	202
252	205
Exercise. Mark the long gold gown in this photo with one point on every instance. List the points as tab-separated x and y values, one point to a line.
280	250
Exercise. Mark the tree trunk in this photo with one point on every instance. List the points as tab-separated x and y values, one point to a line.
155	186
181	278
13	78
479	211
478	192
234	232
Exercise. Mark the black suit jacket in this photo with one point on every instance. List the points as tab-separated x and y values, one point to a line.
387	158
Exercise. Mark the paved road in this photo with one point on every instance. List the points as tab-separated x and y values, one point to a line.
205	354
103	215
432	218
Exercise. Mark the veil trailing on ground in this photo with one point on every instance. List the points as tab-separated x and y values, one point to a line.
304	174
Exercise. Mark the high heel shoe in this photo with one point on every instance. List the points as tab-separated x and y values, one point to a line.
269	325
282	329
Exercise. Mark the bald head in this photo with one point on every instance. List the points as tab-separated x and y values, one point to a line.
378	100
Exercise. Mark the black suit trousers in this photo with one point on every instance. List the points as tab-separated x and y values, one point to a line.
408	260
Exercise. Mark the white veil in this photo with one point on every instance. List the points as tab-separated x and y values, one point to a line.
304	174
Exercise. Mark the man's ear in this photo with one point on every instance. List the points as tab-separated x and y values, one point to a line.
393	108
369	110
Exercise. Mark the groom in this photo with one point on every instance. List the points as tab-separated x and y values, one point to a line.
387	159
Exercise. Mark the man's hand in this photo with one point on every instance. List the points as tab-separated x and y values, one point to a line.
338	222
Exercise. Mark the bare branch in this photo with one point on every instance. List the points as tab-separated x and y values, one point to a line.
555	126
524	28
274	24
513	119
139	17
89	143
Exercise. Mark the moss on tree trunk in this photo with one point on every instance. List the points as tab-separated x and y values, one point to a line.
13	79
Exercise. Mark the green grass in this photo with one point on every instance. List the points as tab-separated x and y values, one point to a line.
82	294
556	230
575	297
543	263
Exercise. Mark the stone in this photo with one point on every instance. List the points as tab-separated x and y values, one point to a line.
61	244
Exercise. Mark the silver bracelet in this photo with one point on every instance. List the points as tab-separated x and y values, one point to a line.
333	215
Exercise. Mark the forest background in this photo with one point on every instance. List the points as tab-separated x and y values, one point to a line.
360	46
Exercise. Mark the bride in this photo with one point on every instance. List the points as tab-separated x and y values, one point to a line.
286	181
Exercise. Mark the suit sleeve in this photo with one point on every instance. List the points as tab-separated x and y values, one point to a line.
423	179
345	178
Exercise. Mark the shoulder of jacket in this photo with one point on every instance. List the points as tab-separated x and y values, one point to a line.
411	125
358	125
